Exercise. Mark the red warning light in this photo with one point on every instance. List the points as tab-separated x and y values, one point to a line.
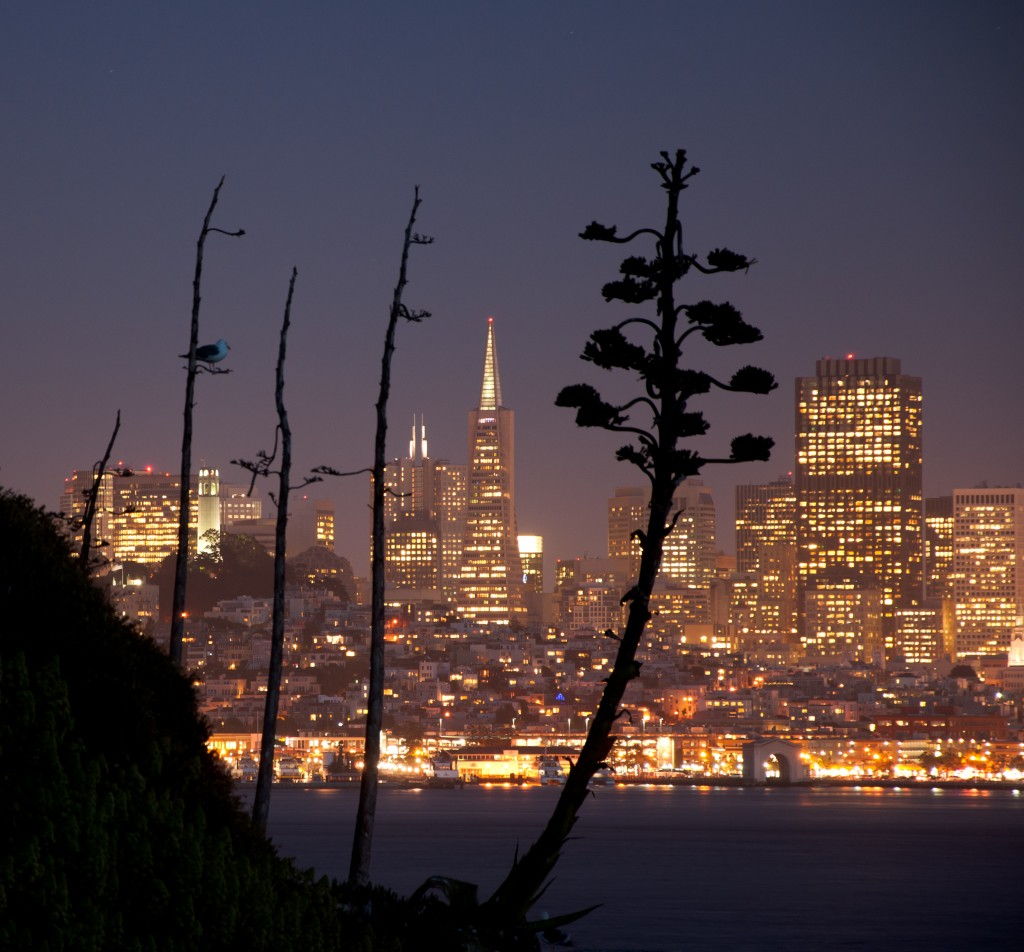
849	356
149	469
490	320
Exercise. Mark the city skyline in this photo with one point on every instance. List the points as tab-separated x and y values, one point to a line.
408	482
867	157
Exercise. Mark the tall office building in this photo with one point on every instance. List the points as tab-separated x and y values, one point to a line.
766	553
688	557
310	523
237	505
490	590
424	518
938	546
858	491
627	512
137	514
531	558
988	568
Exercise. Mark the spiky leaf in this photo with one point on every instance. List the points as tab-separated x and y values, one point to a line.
637	267
725	335
692	424
630	454
753	380
749	448
725	260
609	348
686	463
591	410
598	232
629	290
709	313
689	383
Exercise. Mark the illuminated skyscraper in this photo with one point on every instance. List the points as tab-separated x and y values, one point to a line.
137	515
688	557
490	591
531	560
310	523
988	568
938	546
766	551
531	557
627	512
858	485
424	517
689	554
236	504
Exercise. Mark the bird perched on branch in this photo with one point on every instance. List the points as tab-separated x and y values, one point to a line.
211	353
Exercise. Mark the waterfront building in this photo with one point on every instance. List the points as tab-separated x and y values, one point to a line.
858	488
988	567
490	590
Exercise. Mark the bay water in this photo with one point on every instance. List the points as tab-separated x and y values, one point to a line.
697	868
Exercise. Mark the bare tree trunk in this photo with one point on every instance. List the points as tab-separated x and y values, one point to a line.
265	777
181	560
92	501
359	868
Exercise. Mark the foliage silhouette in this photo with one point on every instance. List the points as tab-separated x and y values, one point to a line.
664	405
236	565
119	829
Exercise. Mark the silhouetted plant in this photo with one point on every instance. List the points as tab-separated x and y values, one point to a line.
667	391
193	368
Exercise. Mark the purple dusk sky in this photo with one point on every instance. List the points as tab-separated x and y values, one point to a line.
868	155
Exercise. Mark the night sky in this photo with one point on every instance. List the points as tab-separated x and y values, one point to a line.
868	155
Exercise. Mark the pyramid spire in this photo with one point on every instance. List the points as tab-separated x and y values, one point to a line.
490	392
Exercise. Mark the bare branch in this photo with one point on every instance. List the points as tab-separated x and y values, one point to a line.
185	476
331	471
92	497
265	776
362	839
638	320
